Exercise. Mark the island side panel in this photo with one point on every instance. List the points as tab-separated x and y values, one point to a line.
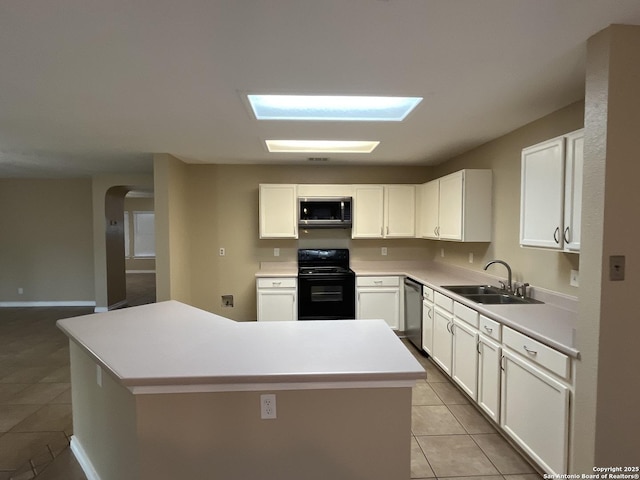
104	420
339	434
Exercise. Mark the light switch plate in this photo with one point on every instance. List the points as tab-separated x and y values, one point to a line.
616	268
574	279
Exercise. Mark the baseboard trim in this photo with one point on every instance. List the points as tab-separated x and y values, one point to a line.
62	303
140	271
83	459
100	309
117	305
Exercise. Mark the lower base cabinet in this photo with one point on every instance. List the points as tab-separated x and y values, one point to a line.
524	386
489	357
379	298
465	358
277	299
442	351
535	412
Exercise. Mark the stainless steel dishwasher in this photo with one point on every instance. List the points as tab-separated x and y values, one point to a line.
413	311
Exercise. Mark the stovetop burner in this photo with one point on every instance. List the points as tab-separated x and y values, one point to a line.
323	262
324	271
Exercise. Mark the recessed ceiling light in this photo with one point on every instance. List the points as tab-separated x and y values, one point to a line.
332	107
320	146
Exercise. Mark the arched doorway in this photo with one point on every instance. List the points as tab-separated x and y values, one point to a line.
130	260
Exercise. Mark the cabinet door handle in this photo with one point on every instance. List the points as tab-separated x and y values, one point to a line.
556	232
529	351
429	314
566	235
478	347
378	282
488	329
276	284
435	231
502	363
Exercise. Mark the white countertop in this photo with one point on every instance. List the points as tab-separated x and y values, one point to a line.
553	322
173	344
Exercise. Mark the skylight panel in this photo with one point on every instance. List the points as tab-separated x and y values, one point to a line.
332	107
321	146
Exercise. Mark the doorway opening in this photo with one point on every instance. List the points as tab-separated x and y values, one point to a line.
130	247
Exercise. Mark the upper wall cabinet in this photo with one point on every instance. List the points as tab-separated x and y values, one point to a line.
457	207
278	211
383	211
551	193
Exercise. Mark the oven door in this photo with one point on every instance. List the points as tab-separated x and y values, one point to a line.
326	297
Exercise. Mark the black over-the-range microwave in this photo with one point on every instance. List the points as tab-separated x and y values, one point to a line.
324	212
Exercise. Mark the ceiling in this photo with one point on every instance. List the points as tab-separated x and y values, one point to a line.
93	86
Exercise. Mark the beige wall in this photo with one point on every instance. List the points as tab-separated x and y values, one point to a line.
607	379
503	157
46	240
173	229
220	209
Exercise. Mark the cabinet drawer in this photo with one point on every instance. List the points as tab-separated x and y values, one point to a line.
535	351
465	313
378	281
427	293
490	328
444	302
276	282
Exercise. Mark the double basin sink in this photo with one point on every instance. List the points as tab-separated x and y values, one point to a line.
489	295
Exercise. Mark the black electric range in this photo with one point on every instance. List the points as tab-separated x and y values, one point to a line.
326	285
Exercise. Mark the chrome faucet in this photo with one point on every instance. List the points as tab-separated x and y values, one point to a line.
509	286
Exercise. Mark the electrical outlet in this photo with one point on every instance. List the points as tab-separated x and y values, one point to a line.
227	300
442	252
574	279
222	252
383	251
268	406
20	291
276	252
470	257
99	375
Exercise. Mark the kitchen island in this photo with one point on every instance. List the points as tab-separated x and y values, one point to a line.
169	391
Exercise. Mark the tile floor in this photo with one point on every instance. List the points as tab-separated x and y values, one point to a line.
452	439
449	437
35	393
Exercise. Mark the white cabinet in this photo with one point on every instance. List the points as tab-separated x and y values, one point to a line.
383	211
489	356
429	207
278	211
427	319
573	190
277	299
399	211
457	207
465	354
465	358
368	211
379	298
551	193
443	332
535	402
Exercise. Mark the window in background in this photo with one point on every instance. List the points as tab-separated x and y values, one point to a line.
127	238
144	241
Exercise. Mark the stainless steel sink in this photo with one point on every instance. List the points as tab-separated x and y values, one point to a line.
473	289
489	295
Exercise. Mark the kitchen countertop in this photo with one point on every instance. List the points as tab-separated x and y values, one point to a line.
173	344
552	323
